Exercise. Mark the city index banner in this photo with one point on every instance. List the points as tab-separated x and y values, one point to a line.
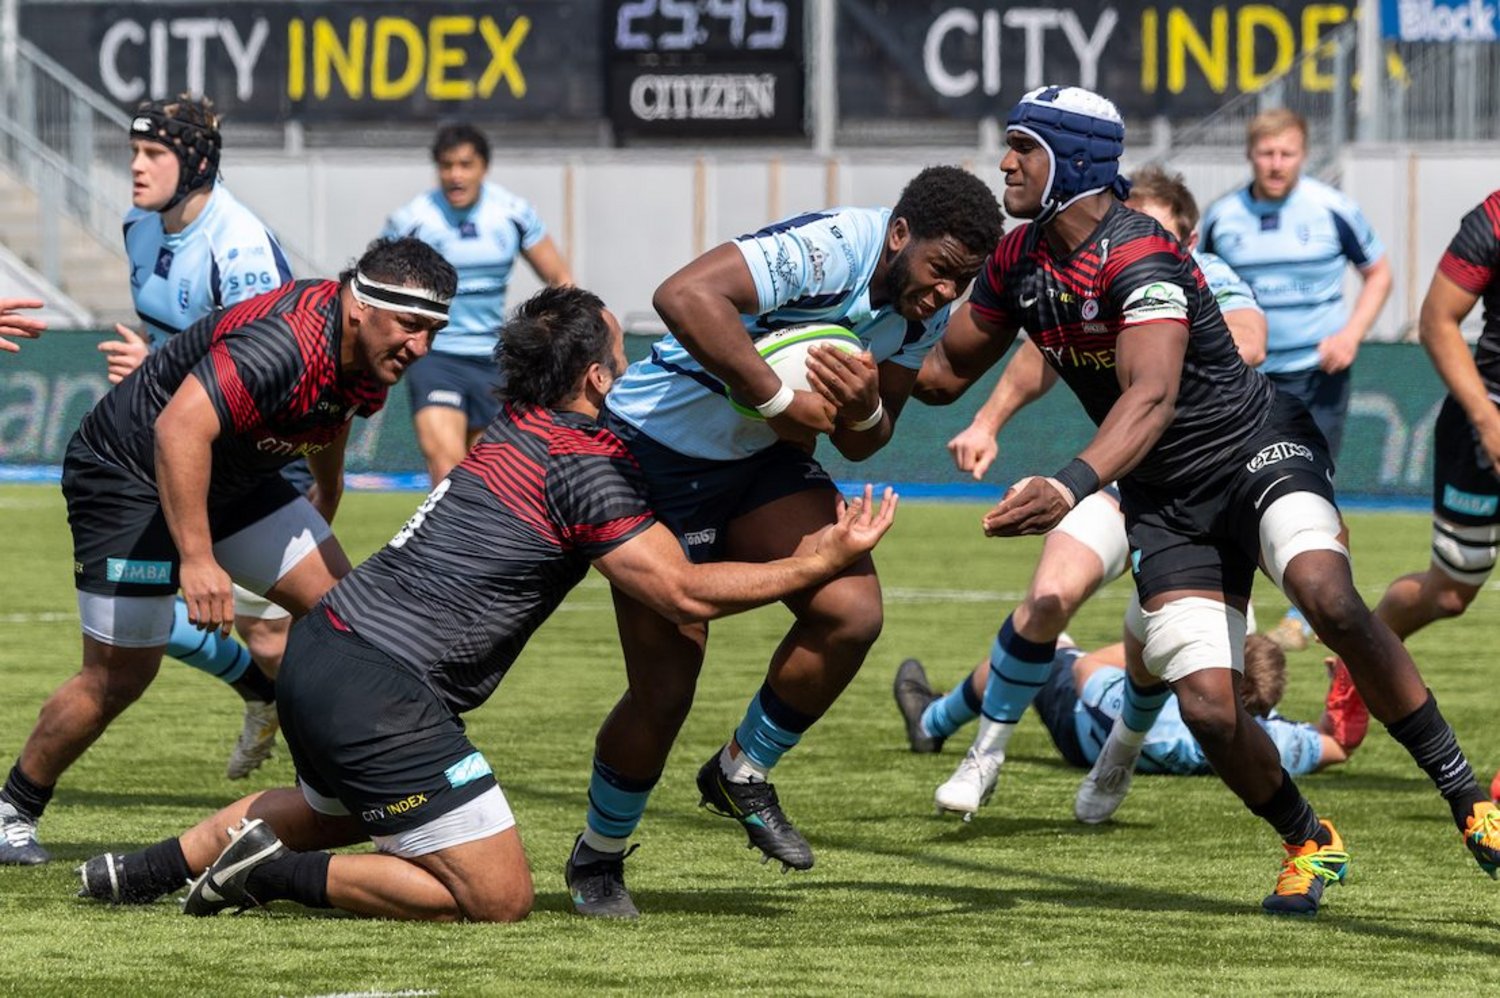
388	60
915	58
352	60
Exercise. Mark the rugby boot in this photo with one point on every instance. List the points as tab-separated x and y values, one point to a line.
756	808
18	844
1348	717
106	878
256	742
1103	791
971	785
596	882
1305	872
1482	836
913	694
222	885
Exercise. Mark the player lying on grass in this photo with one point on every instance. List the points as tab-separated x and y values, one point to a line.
173	479
377	676
1086	691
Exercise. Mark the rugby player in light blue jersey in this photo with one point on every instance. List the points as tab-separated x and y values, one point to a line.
747	487
1293	237
192	249
1085	692
480	227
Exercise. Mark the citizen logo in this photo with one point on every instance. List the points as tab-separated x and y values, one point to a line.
709	97
1278	451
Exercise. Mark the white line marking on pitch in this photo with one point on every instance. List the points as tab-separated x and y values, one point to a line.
45	617
375	994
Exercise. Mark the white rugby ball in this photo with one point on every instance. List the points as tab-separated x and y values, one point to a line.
787	350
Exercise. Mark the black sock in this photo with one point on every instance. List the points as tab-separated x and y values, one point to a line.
298	876
1433	745
1291	815
29	798
154	871
255	685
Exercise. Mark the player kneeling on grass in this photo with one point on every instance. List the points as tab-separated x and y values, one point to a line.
173	479
375	678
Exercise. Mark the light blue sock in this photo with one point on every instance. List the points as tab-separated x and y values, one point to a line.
616	803
952	710
770	728
1018	671
220	657
1143	705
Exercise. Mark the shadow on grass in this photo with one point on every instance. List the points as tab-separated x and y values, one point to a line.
207	803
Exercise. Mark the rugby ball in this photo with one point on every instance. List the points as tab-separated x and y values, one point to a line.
787	350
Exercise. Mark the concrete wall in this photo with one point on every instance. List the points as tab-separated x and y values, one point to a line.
626	220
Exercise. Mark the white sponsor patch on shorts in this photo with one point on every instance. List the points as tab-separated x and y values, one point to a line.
443	396
1279	451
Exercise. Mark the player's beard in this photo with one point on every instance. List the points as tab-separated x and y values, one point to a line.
897	277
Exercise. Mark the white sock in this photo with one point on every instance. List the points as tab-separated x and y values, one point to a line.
993	736
603	843
741	768
1122	733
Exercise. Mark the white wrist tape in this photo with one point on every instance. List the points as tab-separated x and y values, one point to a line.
870	421
776	404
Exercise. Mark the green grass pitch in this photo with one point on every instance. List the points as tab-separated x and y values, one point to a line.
1023	900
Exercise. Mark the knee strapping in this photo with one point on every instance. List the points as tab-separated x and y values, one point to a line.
1293	525
1191	634
1465	554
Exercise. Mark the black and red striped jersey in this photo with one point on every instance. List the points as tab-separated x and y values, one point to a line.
271	367
493	550
1129	272
1472	261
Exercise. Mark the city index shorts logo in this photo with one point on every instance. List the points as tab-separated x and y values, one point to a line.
394	808
144	572
1279	451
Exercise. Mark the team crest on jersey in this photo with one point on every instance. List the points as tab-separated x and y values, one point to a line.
1090	309
1279	451
184	293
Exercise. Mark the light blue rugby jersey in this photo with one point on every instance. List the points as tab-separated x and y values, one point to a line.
1293	253
812	268
1229	290
1170	747
482	242
176	278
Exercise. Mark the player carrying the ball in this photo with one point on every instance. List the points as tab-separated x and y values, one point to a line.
747	487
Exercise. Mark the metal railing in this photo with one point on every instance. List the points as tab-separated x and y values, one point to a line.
71	146
68	145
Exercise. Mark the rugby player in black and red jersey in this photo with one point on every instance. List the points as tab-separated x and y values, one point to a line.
173	479
1217	473
376	677
1466	438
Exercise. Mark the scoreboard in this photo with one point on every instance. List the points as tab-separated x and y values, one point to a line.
705	68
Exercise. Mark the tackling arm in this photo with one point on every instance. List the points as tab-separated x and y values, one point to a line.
652	568
970	346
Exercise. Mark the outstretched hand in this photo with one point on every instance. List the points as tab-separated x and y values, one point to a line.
24	327
126	355
974	449
859	528
1033	505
